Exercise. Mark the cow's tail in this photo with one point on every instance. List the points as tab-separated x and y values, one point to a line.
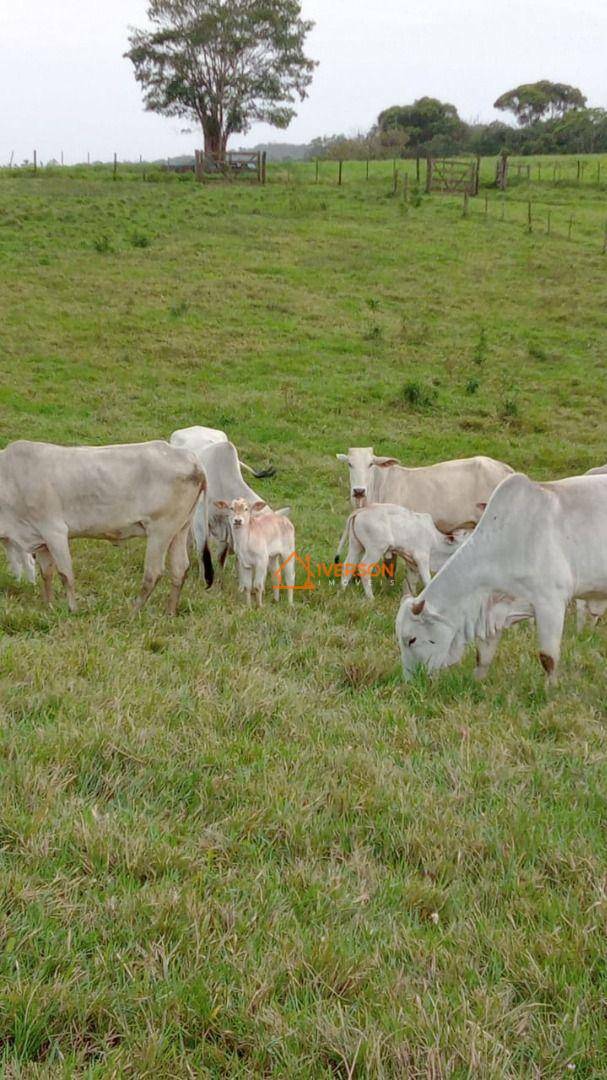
207	562
344	537
259	474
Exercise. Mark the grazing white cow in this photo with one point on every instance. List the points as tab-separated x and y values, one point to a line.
262	541
51	494
537	547
449	491
21	563
379	528
198	438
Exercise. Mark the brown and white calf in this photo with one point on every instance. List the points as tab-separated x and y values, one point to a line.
379	528
262	542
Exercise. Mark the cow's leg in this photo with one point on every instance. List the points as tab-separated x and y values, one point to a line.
422	561
485	652
550	618
260	571
179	564
59	550
245	581
274	569
373	556
47	569
353	559
581	611
155	556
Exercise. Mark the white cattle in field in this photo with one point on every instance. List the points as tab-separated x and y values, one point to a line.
538	546
452	492
21	563
51	494
592	610
379	528
199	438
262	542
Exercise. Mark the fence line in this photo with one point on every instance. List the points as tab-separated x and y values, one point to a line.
538	218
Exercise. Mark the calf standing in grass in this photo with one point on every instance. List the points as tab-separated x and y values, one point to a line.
384	527
261	541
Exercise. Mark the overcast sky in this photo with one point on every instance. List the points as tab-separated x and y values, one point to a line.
64	84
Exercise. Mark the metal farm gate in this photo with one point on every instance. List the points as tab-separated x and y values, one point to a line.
452	176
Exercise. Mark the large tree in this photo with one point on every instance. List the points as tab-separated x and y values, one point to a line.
223	63
540	100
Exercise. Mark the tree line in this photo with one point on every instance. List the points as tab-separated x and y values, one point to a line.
226	64
551	118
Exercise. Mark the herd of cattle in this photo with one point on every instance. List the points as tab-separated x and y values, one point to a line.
503	548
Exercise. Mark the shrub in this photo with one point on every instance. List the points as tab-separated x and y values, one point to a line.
102	244
472	386
140	240
419	396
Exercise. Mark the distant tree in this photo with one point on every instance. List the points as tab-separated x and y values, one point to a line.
531	102
427	119
223	63
581	132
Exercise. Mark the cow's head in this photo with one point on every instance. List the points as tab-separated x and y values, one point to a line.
426	639
360	460
239	511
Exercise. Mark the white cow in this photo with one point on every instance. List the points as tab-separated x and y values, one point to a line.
379	528
452	492
198	438
262	541
21	563
53	493
537	547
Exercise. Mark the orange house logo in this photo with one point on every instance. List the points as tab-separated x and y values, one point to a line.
331	571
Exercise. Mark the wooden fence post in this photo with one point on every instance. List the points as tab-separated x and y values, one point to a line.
417	168
579	170
529	218
264	166
115	170
198	166
486	206
548	224
429	171
316	170
339	173
367	168
465	208
477	174
395	182
35	161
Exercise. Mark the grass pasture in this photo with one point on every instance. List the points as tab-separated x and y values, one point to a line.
237	844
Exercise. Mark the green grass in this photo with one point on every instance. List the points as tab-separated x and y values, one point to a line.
237	844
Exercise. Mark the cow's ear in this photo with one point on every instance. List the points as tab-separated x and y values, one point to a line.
482	507
385	462
341	457
257	506
221	504
417	608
